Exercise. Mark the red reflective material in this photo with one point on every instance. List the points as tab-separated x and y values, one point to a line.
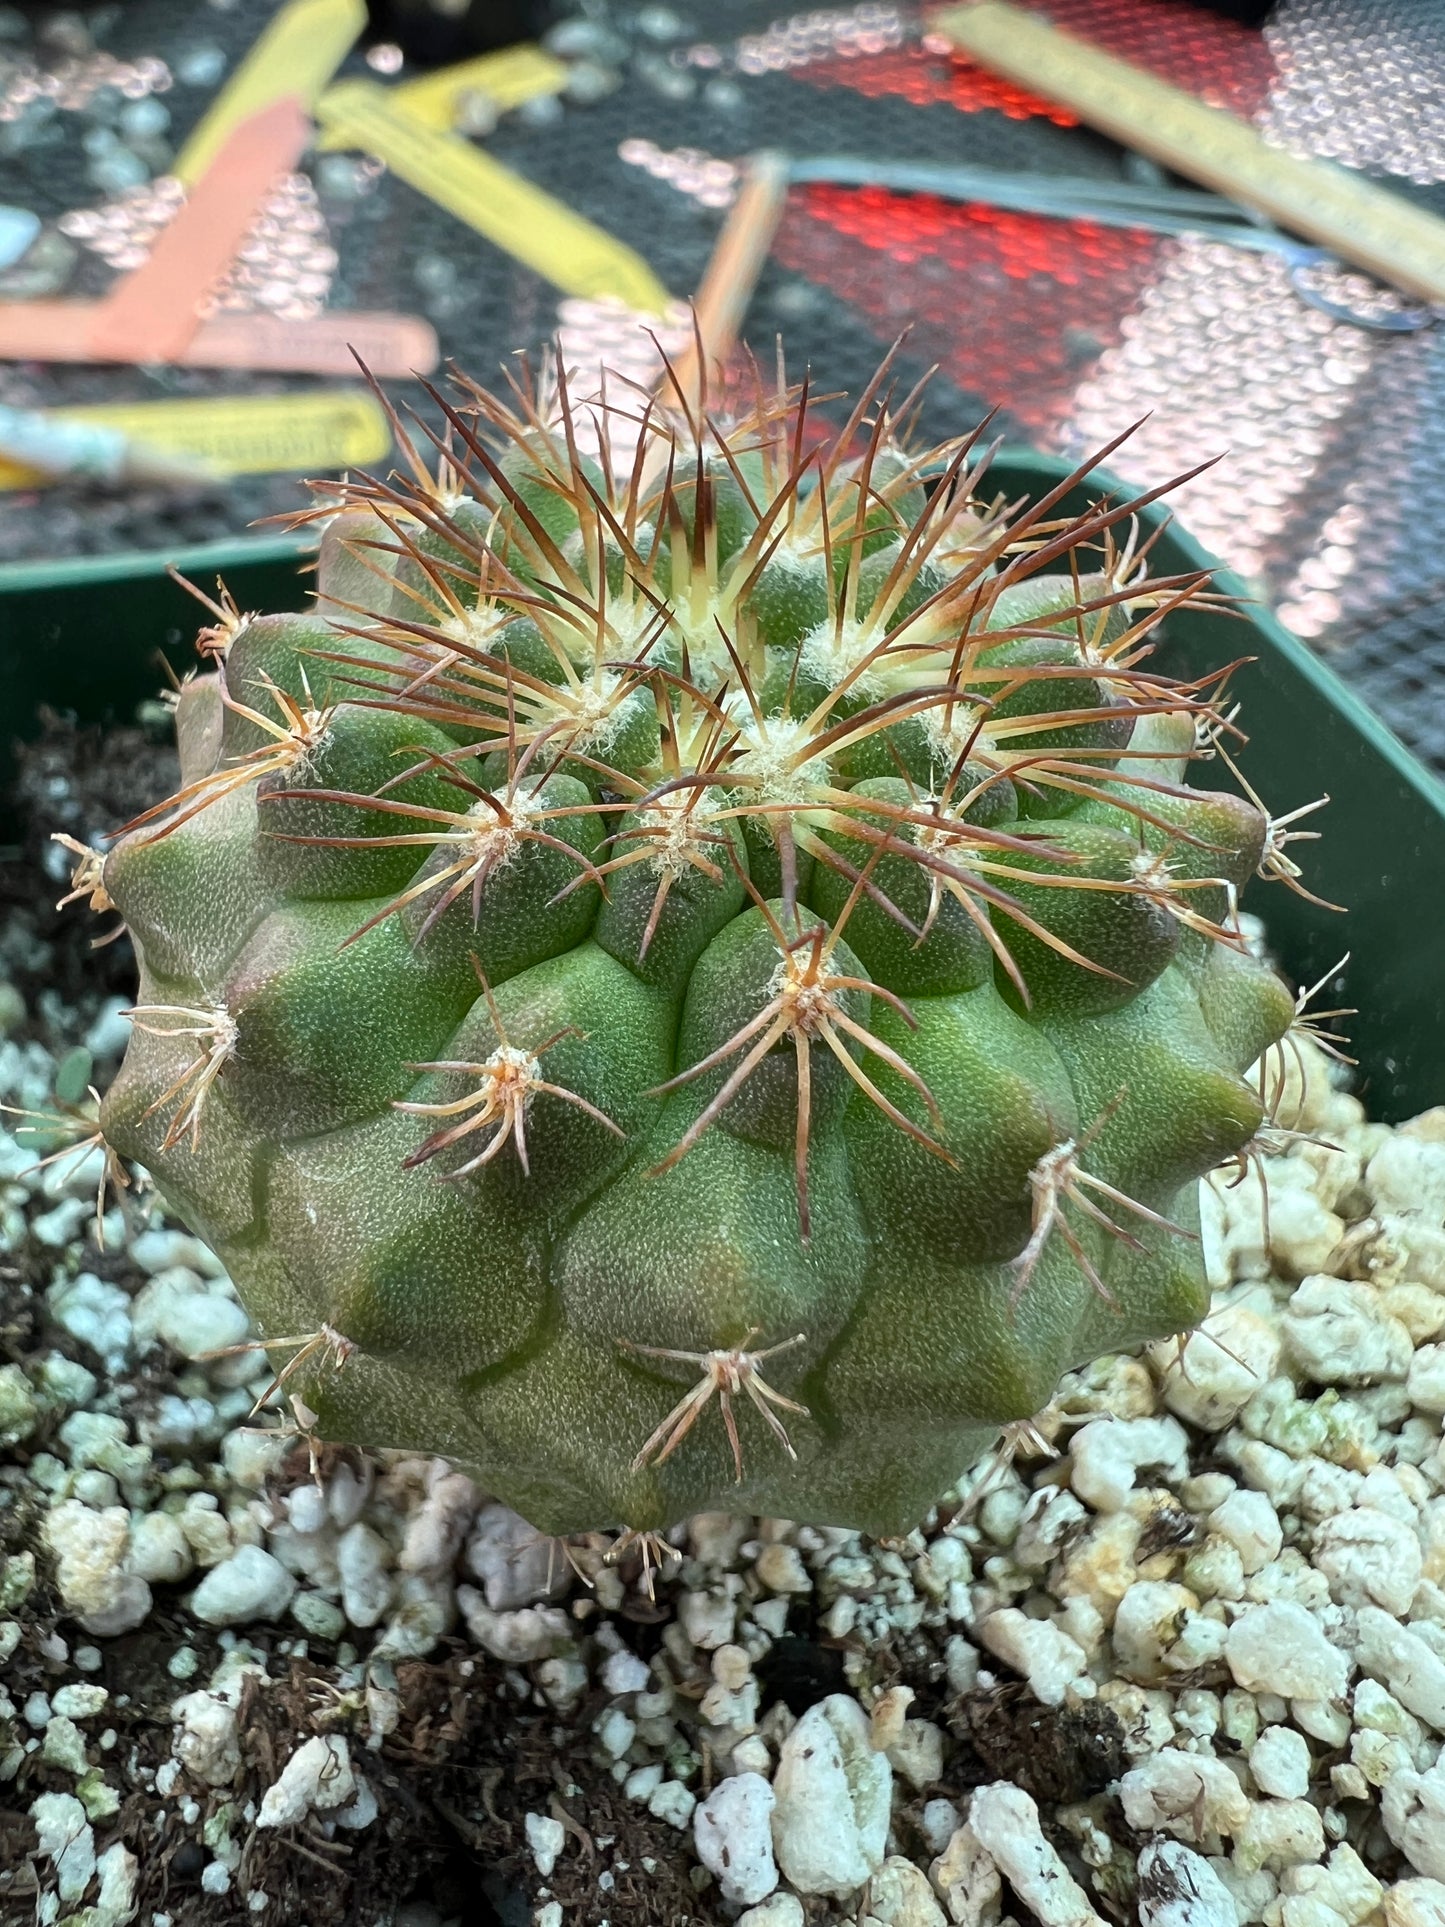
1013	307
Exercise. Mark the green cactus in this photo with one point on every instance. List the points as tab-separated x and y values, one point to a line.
702	990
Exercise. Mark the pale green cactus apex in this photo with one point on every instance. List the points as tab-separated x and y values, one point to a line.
696	982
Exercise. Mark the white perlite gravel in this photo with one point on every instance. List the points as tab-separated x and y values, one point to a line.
1234	1564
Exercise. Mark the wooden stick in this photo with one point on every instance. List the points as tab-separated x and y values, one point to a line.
732	275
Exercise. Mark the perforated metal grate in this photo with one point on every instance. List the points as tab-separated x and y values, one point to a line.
1327	494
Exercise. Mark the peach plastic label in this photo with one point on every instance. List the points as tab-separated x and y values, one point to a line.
390	345
152	313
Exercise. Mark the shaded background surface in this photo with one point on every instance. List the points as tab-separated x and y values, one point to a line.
1328	497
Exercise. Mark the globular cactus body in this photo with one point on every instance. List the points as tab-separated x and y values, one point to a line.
703	991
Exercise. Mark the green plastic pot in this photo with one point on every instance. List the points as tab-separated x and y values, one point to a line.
86	637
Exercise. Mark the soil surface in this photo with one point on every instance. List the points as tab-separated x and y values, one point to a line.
470	1751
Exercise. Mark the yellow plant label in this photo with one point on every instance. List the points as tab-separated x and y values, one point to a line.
1356	219
530	225
329	429
515	75
297	54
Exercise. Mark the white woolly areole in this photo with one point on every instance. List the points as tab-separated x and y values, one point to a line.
770	751
678	831
945	836
834	650
476	628
951	729
512	1071
600	715
495	839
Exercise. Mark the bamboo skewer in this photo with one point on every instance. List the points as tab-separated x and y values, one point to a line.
732	275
